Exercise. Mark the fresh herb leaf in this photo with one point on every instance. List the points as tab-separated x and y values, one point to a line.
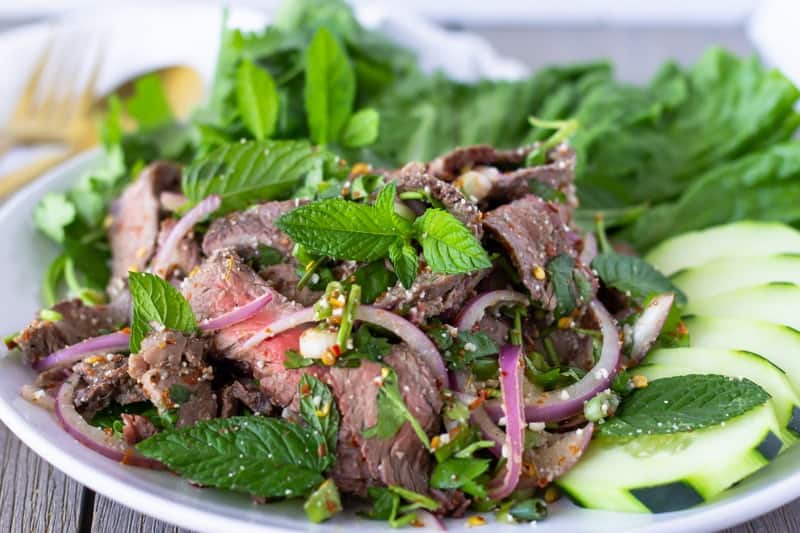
405	261
92	260
361	129
149	106
250	172
257	99
156	301
330	87
448	246
268	457
461	474
545	192
393	412
470	350
683	403
570	286
52	280
633	275
53	214
292	360
318	409
373	347
374	279
365	185
530	510
179	394
268	256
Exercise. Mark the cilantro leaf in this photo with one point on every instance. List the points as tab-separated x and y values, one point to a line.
149	105
448	246
330	87
155	300
268	457
460	473
683	403
374	279
246	173
361	129
405	261
256	99
318	409
53	214
633	275
393	412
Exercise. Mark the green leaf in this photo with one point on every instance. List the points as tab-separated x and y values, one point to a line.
155	300
633	275
361	129
111	124
405	261
374	279
460	474
91	259
341	229
247	173
149	105
267	457
257	99
570	286
53	214
448	246
683	403
292	360
374	348
323	503
179	394
318	409
52	280
330	88
393	412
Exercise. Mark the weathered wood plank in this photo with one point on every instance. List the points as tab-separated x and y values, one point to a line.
787	518
111	517
34	496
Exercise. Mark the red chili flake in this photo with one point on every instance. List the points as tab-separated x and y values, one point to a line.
337	351
322	449
305	389
331	506
126	330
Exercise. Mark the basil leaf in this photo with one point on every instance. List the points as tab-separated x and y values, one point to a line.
267	457
633	275
361	129
682	403
257	99
405	261
156	301
393	412
149	106
448	246
247	173
374	279
318	409
330	87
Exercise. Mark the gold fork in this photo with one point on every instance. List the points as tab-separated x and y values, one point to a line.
52	109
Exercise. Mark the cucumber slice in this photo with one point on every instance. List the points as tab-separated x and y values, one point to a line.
677	361
723	275
671	472
780	344
777	302
739	239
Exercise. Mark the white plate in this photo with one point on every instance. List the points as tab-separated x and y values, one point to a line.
26	255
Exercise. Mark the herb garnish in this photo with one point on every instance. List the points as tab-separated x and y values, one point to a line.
393	412
156	301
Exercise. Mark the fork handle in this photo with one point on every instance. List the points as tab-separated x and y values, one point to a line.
6	143
15	180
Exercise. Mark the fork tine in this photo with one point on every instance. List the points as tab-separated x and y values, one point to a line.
29	91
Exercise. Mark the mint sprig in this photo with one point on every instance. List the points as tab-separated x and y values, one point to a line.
393	411
448	245
155	301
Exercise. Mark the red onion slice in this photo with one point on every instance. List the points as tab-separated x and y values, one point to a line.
172	201
92	437
511	387
179	230
430	521
238	314
647	329
563	403
285	323
113	342
475	308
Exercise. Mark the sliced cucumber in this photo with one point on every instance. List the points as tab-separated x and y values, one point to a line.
677	361
672	472
777	302
739	239
780	344
723	275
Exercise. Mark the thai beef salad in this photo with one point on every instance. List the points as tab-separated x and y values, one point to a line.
351	283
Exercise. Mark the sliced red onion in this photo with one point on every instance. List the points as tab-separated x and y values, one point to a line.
92	437
172	201
511	387
647	329
238	314
475	308
430	521
179	230
37	396
113	342
285	323
563	403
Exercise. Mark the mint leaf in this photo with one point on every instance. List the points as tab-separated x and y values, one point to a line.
393	412
374	348
405	261
460	473
361	129
633	275
330	87
53	214
570	286
374	279
256	99
247	173
266	457
318	409
292	360
448	246
149	105
156	301
341	229
683	403
385	204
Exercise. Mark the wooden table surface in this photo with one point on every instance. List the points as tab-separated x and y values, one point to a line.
37	498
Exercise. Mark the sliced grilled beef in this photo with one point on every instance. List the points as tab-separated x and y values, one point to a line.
78	322
136	428
135	221
104	378
558	176
283	278
186	255
237	394
533	233
452	164
173	372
